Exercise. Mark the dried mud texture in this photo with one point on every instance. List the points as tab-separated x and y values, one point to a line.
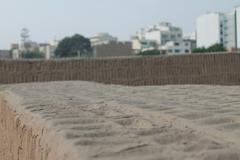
90	121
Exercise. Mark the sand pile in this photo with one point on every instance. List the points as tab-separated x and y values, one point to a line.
88	121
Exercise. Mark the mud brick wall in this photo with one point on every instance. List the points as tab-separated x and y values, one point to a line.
218	69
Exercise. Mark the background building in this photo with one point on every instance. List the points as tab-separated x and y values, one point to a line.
190	36
237	16
143	45
221	28
161	33
47	49
5	54
191	43
102	38
176	47
164	37
208	30
113	49
105	45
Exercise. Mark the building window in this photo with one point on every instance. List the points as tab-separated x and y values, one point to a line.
179	35
186	44
177	51
186	51
165	36
176	44
173	37
169	51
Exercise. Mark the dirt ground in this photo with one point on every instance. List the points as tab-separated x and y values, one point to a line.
88	121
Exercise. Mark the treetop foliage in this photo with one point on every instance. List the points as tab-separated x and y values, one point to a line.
74	46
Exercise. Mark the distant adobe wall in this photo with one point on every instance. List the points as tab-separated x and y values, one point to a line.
219	69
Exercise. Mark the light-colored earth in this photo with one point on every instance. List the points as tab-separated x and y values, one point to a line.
109	122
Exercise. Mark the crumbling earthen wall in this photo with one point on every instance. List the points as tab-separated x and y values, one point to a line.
23	136
188	69
92	121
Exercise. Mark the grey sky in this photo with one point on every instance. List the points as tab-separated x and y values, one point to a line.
49	19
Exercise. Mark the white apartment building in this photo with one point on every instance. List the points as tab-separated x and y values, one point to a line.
177	47
161	33
190	36
102	38
222	28
143	45
237	25
164	37
208	30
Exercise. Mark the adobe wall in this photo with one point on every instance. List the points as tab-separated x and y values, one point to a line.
219	69
24	136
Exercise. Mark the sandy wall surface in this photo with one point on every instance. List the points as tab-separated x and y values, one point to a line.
90	121
186	69
24	136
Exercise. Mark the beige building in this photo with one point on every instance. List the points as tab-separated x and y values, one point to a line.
102	38
5	54
113	49
14	46
47	49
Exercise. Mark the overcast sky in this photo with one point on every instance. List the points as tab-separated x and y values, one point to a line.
49	19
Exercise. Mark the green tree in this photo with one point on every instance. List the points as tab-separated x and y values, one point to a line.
33	55
213	48
216	48
200	50
74	46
